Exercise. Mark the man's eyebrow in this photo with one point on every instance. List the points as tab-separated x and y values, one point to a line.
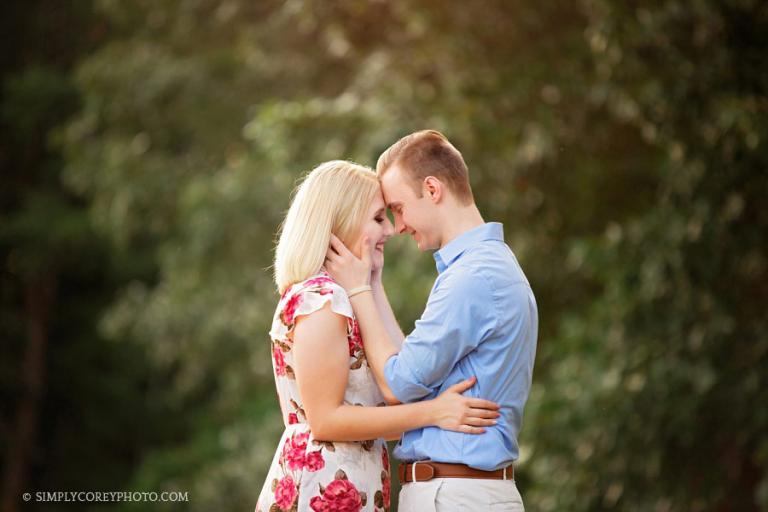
393	205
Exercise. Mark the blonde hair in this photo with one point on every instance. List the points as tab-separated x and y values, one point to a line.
332	198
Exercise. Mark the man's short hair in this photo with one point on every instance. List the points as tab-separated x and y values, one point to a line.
428	153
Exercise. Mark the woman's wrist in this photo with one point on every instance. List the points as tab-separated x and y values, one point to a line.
358	290
431	412
376	281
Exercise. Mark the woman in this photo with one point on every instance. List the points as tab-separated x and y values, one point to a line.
332	455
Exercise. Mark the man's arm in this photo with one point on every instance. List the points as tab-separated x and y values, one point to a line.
460	314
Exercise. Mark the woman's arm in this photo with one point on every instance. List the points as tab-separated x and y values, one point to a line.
321	365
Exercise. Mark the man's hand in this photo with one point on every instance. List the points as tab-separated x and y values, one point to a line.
347	269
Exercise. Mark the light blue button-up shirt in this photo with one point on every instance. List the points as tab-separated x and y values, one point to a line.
480	320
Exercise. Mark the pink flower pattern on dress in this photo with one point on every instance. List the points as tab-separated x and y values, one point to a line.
341	495
289	311
296	457
386	481
386	490
279	359
294	450
303	462
322	283
355	339
314	461
286	493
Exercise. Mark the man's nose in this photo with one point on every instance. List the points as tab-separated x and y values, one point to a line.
389	230
399	226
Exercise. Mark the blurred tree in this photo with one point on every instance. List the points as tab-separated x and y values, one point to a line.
41	224
673	355
74	405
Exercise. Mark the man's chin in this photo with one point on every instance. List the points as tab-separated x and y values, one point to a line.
421	244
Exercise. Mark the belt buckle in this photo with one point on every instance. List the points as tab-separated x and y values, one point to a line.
425	463
413	471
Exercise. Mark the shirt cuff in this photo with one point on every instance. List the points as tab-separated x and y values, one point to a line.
403	383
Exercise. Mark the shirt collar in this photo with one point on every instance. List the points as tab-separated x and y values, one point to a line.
456	247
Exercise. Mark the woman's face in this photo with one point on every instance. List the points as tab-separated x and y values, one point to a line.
377	227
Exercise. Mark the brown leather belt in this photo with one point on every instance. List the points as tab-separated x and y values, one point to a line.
428	470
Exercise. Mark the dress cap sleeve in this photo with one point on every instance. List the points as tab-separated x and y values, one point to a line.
306	297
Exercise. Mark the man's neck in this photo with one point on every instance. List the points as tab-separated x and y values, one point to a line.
461	220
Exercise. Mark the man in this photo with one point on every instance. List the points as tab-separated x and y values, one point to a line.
480	321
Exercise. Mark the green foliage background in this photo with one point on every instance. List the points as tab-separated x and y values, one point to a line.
150	148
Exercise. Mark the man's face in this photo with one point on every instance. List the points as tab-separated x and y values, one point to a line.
413	215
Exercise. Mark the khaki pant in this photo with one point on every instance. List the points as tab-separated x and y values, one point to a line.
460	494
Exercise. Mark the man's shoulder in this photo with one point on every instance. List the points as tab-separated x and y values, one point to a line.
463	274
498	280
493	262
465	282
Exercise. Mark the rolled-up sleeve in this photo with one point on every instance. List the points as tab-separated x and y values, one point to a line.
460	312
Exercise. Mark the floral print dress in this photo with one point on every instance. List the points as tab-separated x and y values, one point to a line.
307	474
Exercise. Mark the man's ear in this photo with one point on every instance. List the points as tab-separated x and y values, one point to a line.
433	188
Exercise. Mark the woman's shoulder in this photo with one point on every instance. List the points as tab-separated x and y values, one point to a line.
320	283
310	295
